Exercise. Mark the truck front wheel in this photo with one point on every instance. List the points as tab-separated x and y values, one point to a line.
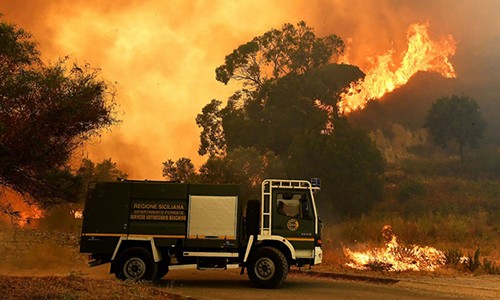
267	268
136	264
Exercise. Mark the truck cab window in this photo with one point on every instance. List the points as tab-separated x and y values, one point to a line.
292	205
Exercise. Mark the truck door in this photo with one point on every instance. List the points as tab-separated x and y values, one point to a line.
293	217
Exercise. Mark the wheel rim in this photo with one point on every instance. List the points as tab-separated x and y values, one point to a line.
134	268
264	268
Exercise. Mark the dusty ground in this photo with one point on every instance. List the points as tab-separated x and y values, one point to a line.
76	287
80	282
193	284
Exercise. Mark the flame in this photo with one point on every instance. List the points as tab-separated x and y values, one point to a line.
328	129
16	209
29	214
422	54
396	257
78	214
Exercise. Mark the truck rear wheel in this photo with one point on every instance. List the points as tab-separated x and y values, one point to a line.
136	264
267	268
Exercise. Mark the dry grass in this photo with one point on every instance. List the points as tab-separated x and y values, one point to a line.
77	287
449	207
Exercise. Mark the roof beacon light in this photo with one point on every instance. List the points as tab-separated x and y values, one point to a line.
316	182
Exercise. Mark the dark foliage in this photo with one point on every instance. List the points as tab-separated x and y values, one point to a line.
455	119
46	112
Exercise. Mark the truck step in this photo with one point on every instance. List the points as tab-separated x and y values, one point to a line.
231	266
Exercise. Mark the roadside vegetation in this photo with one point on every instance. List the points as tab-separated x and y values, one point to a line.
433	201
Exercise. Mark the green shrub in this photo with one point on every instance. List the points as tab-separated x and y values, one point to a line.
472	263
411	188
453	257
490	267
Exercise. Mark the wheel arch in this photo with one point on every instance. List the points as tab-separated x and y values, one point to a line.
124	243
279	243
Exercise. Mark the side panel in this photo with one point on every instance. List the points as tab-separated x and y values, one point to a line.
105	217
159	210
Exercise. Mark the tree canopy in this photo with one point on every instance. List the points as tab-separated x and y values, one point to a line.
277	53
106	170
283	110
182	170
455	119
46	112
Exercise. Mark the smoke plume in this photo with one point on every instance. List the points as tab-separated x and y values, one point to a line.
163	54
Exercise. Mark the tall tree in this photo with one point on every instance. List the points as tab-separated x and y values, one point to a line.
289	77
455	119
46	112
291	50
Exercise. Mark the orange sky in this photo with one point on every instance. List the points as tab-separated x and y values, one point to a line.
163	54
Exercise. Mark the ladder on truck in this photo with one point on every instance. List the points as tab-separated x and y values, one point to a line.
267	192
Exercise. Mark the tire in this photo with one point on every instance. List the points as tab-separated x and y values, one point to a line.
252	217
136	263
162	269
267	268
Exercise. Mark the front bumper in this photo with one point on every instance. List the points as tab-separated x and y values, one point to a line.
318	255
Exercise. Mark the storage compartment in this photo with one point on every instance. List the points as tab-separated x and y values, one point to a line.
212	217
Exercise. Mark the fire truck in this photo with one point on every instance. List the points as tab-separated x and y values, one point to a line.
146	228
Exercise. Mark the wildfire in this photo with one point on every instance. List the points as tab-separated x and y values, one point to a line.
29	214
13	207
78	214
422	54
396	257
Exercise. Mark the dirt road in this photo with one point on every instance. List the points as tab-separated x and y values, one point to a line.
97	283
230	285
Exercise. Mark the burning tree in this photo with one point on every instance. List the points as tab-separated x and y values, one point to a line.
46	112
